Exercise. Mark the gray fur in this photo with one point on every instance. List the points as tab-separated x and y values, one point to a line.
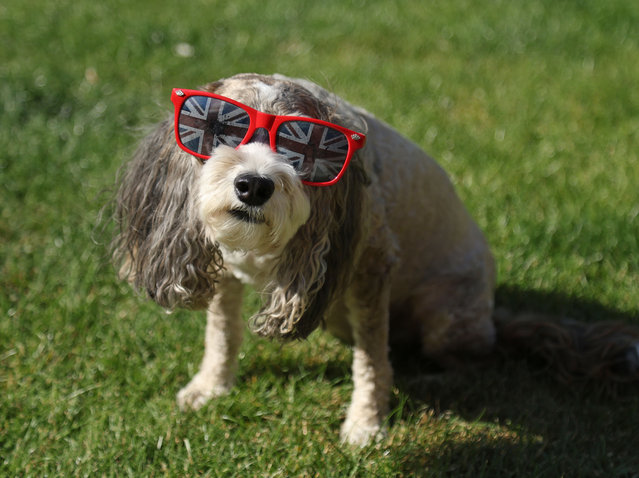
161	247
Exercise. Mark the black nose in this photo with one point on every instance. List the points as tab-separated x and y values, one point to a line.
253	190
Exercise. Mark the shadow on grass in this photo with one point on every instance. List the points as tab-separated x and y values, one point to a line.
534	422
558	304
507	416
510	417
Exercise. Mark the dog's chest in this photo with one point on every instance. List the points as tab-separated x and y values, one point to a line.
249	268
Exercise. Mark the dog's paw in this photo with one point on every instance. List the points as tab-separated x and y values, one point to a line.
360	433
198	392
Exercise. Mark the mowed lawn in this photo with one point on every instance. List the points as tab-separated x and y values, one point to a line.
531	106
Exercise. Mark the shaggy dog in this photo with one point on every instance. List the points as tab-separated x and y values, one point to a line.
359	231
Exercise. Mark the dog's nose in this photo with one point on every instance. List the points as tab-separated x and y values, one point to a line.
253	190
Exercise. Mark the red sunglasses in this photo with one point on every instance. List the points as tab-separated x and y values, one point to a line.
318	150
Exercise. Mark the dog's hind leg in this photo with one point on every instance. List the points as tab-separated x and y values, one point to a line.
450	338
460	329
223	337
450	318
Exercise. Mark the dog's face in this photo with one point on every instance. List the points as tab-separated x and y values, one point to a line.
251	199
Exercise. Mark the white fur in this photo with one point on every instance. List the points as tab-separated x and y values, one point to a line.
222	340
284	213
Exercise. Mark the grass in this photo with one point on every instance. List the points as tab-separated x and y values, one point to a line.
533	108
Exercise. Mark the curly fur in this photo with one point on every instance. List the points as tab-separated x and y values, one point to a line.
161	247
314	264
387	256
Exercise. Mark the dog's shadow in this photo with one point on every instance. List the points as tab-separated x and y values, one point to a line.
517	416
585	429
515	407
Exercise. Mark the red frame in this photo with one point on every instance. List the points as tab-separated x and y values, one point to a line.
269	122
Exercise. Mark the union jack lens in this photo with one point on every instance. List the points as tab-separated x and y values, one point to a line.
317	152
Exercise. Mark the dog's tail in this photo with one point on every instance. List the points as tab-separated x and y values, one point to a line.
575	351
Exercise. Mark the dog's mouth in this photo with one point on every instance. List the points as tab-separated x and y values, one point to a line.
252	216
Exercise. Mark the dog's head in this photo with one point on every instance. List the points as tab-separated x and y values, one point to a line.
177	213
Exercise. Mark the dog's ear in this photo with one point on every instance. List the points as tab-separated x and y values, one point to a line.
317	262
161	247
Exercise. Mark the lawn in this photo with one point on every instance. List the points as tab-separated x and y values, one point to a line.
531	106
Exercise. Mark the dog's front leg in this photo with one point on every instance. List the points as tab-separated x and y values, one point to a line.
224	329
372	372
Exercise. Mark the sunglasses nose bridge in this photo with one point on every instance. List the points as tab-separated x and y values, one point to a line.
262	128
260	135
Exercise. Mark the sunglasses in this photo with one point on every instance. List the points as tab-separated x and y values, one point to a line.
318	150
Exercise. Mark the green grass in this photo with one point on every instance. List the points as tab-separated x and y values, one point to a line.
533	108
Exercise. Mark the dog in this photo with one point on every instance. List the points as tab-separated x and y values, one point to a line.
358	231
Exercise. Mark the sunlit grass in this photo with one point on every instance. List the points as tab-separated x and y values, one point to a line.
532	107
